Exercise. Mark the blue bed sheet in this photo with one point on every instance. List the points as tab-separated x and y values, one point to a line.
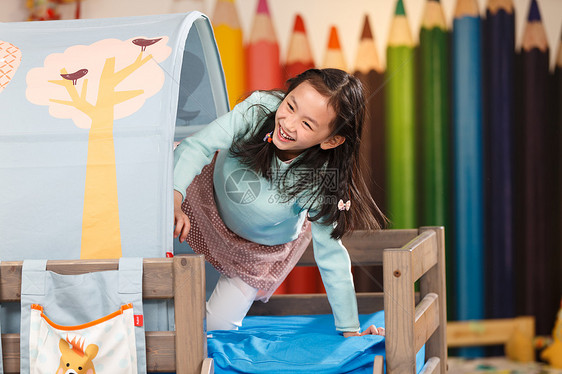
296	344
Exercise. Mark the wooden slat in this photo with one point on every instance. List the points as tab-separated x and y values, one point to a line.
160	349
191	340
424	253
378	365
426	319
157	275
11	353
208	366
434	281
487	332
431	366
365	247
399	311
283	305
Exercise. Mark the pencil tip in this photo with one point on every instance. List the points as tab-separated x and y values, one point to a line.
262	7
534	13
400	9
366	34
299	24
334	42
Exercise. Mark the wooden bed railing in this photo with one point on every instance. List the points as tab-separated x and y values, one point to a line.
181	278
406	256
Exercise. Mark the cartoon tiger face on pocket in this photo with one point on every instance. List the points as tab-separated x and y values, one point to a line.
74	359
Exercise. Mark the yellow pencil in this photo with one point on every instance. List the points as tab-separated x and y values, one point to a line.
228	34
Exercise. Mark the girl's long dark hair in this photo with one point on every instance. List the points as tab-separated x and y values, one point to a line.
320	178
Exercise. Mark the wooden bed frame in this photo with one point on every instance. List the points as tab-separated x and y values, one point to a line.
406	256
181	278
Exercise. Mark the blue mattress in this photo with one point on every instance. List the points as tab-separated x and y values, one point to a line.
296	344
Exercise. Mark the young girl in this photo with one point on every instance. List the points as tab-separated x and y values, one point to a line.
259	182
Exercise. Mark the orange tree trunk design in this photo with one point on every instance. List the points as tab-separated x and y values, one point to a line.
101	236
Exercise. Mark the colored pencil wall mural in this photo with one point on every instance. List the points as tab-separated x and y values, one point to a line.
333	57
299	54
228	35
468	168
400	122
369	70
435	127
499	59
81	84
304	279
535	254
263	69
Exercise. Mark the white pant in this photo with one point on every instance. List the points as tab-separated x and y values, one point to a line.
230	301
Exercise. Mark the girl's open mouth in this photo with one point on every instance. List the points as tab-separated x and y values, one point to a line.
284	137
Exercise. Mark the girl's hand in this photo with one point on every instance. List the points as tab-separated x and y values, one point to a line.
371	330
181	221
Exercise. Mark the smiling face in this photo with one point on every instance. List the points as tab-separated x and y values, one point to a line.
303	120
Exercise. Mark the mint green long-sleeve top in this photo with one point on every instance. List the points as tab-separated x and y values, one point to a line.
255	209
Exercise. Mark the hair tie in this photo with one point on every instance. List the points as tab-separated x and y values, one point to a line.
344	206
268	137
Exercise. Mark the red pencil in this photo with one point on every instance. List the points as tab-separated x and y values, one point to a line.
262	53
299	54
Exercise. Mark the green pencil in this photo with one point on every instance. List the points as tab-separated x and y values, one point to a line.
435	115
400	119
435	127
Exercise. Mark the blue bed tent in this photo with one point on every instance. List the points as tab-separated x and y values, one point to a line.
90	110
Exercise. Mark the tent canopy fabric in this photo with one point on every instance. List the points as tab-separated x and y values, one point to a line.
89	113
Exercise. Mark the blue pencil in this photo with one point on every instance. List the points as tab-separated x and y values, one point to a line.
536	254
499	39
468	164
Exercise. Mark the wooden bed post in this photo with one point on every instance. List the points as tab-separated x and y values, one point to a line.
434	281
189	311
399	304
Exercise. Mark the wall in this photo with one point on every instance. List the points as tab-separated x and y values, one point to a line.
318	15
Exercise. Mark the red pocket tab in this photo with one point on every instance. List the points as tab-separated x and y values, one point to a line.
138	320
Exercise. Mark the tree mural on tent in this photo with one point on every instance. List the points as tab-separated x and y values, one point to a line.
94	85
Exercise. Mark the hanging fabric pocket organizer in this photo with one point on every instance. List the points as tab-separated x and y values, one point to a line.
89	323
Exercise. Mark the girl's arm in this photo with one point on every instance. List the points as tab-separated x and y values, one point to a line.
335	268
196	151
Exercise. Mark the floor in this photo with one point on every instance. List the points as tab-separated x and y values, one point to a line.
500	365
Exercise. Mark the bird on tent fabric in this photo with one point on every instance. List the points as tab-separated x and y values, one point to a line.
75	76
143	43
